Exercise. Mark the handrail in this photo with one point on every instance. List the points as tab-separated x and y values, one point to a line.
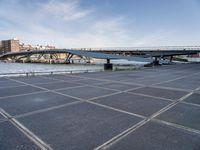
49	72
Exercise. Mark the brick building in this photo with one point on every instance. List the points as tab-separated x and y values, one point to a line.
11	45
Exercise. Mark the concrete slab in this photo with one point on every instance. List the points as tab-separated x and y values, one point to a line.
86	92
28	103
156	136
78	127
89	81
1	118
5	84
33	79
163	93
134	103
183	84
58	85
86	126
183	114
2	79
194	98
12	139
64	77
118	78
118	86
144	81
18	90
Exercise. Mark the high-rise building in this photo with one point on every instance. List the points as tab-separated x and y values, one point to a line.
11	45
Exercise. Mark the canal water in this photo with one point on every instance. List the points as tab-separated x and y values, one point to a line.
11	68
8	69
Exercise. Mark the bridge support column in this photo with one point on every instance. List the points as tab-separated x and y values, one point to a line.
108	65
156	62
171	58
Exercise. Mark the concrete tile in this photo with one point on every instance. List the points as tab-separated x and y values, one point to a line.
183	84
64	77
12	139
156	136
118	86
118	78
58	85
183	114
134	103
163	93
2	79
86	92
89	81
28	103
194	98
78	127
144	81
18	90
5	84
33	80
1	118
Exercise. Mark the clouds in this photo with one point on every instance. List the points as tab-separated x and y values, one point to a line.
67	10
85	23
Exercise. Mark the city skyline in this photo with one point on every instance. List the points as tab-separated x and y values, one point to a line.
106	23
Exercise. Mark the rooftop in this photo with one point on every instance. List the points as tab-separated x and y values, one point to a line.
149	109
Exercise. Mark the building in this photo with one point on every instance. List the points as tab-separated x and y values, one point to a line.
24	47
11	45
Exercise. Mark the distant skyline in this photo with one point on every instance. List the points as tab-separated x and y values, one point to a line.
101	23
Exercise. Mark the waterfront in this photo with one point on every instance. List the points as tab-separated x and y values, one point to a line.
10	68
103	110
20	68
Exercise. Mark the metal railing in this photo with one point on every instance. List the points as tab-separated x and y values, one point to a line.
152	48
50	72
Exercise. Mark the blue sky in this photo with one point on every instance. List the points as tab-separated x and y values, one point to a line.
101	23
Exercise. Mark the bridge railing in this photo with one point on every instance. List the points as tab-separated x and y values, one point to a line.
155	48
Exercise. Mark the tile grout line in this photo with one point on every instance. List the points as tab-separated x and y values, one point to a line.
82	100
59	93
133	128
128	91
125	91
26	132
86	84
46	109
177	126
118	81
101	96
38	92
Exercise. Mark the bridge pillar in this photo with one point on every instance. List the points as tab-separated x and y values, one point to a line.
108	65
171	58
156	62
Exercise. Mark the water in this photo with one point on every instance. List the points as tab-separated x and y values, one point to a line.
11	68
8	69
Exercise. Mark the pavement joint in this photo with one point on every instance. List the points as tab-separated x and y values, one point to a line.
133	128
125	132
27	132
177	126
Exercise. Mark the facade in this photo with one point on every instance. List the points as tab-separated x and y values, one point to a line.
11	45
24	47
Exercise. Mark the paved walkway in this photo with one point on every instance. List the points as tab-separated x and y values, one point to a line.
150	109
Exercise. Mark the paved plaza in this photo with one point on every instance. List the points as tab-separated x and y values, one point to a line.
147	109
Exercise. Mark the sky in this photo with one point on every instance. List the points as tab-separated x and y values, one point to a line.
101	23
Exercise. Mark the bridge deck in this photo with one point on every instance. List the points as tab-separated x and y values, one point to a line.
155	108
90	54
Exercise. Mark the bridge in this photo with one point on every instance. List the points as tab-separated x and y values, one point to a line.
158	51
141	54
17	56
